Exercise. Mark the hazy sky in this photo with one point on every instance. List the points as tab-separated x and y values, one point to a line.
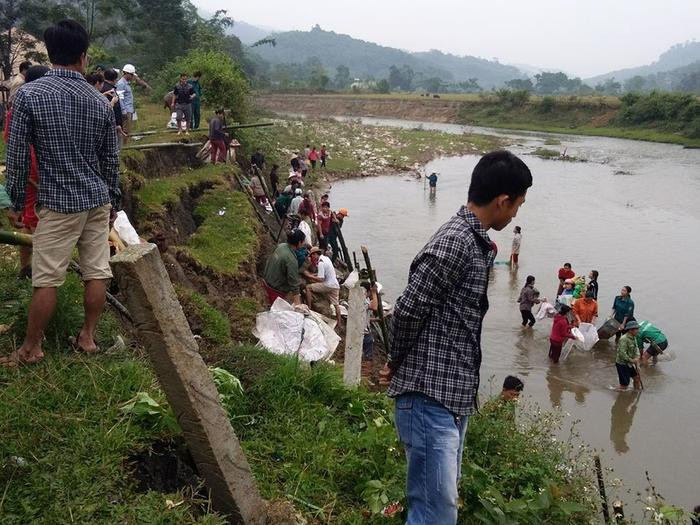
581	37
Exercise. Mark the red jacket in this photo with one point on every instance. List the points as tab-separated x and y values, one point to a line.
561	329
29	218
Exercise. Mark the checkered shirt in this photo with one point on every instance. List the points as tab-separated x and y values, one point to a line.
436	327
72	128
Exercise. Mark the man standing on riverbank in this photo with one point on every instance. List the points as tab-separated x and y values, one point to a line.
433	369
79	184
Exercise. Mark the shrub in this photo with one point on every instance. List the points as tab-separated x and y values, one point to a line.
547	104
224	85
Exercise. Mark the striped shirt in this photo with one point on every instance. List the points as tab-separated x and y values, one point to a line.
436	327
72	128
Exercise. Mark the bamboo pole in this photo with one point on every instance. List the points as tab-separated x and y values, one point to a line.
233	126
601	488
165	145
255	205
268	194
380	305
343	246
15	238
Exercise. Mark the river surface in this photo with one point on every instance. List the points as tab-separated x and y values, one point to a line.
632	212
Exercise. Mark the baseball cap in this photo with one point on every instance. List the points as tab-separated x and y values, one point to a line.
129	68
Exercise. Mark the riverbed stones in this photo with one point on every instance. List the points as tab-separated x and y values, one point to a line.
164	332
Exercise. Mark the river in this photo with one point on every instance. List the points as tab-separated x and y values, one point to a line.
632	212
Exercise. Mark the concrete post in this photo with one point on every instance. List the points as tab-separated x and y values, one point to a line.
163	330
357	313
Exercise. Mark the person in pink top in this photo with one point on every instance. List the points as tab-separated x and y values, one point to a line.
313	157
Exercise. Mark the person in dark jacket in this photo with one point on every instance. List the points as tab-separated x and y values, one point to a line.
593	283
109	88
529	296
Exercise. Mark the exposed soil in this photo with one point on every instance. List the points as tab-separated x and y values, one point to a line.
166	466
430	110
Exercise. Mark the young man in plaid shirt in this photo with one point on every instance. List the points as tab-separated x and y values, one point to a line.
433	369
72	128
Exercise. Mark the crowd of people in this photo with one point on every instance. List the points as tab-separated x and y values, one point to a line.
303	269
577	303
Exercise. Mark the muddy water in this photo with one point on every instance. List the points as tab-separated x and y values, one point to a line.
633	213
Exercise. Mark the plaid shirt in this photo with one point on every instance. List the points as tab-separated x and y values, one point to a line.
436	327
72	128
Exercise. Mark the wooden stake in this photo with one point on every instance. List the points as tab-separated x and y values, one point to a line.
188	385
380	305
343	246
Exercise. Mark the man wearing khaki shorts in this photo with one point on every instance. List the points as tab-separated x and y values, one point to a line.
325	281
73	130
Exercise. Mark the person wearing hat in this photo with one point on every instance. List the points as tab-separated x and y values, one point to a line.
627	357
325	281
337	219
296	202
126	98
561	331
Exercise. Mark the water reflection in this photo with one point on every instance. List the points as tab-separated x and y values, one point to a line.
557	385
621	416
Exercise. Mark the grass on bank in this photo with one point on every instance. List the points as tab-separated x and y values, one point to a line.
65	440
228	231
158	193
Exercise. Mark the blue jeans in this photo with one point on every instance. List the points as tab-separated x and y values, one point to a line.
434	440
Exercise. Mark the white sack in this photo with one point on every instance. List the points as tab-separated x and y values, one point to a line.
590	336
546	310
125	230
577	334
280	332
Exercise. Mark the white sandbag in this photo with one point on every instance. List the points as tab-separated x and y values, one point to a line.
590	336
172	123
577	334
280	332
566	299
351	280
546	310
125	230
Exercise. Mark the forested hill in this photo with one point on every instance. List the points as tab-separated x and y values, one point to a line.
369	60
676	57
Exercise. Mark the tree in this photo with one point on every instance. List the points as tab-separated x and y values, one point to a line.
401	78
635	84
434	84
690	82
520	83
470	85
342	77
383	86
609	87
549	83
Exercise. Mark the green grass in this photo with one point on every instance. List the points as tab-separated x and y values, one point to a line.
216	326
223	242
157	194
63	418
334	452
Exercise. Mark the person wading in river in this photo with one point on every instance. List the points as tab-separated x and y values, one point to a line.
623	310
529	297
433	368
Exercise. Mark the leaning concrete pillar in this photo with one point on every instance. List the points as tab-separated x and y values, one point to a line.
163	330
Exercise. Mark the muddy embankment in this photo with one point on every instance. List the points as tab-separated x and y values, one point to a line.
424	109
171	231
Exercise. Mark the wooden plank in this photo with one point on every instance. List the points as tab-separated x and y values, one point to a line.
163	330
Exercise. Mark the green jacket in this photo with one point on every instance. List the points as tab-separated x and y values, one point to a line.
627	350
282	270
198	91
649	333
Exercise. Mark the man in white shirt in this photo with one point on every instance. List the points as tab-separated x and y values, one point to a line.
325	282
296	202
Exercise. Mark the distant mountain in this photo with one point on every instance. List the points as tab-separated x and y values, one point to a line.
462	68
369	60
676	57
249	34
